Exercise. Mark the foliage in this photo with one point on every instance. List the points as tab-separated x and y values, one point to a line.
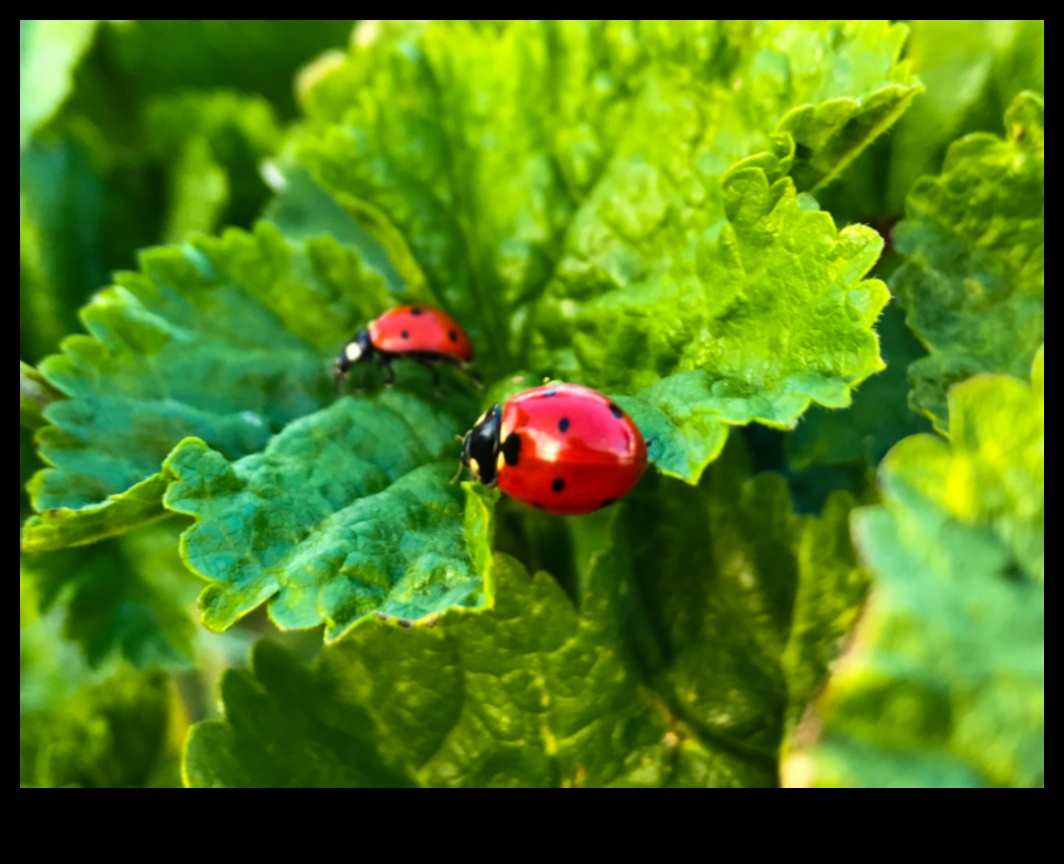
623	689
974	278
103	730
670	211
161	137
945	683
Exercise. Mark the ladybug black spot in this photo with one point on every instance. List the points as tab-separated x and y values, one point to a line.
563	425
616	412
511	450
405	335
453	335
558	485
417	310
607	503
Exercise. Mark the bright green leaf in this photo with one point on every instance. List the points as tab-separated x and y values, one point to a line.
945	685
130	597
224	340
49	51
348	513
793	328
545	230
34	395
974	281
879	417
691	650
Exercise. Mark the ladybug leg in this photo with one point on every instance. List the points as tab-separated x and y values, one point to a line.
467	370
388	371
435	370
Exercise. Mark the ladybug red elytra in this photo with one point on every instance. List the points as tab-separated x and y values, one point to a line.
561	448
423	334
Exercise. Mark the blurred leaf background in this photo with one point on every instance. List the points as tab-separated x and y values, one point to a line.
683	639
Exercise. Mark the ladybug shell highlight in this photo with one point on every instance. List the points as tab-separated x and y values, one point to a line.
568	450
420	330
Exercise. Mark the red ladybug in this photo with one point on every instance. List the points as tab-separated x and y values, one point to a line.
420	333
560	448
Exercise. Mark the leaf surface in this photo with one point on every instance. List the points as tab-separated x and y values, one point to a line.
348	513
974	279
108	729
945	683
34	395
49	51
129	597
596	241
225	340
689	652
879	417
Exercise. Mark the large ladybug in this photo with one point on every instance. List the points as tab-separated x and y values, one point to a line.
560	448
423	334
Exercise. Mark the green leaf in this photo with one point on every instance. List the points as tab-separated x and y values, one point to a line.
109	736
974	281
879	417
81	214
162	136
214	143
543	230
34	395
973	70
794	330
49	51
253	56
692	648
224	340
945	684
348	513
109	729
130	597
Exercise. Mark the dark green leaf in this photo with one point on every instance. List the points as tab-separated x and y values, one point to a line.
130	597
224	340
974	281
211	145
945	684
104	730
706	618
253	56
348	513
81	215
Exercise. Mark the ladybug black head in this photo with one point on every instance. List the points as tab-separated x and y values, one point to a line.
480	450
355	351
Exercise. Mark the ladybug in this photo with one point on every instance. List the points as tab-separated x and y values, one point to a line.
423	334
561	448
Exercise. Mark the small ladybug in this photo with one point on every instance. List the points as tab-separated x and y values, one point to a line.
560	448
423	334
